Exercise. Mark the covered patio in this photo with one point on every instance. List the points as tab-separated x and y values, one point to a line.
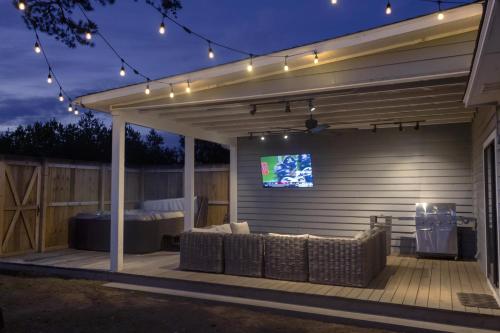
382	114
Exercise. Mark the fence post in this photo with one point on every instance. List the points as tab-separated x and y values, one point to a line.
44	205
101	194
2	200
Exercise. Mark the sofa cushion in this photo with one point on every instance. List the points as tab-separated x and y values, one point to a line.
240	228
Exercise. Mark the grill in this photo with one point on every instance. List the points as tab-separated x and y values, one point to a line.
436	225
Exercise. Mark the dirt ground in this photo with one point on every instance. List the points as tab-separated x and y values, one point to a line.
56	305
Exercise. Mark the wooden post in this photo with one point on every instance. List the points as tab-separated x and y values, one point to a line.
102	187
44	204
117	193
2	200
188	182
233	182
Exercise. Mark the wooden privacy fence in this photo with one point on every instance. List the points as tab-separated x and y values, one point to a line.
37	199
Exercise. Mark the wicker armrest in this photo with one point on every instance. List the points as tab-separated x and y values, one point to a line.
202	251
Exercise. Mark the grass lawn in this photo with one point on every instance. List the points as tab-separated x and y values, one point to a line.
32	304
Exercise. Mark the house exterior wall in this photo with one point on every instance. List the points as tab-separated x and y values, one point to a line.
358	174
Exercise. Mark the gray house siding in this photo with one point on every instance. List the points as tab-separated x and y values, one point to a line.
358	174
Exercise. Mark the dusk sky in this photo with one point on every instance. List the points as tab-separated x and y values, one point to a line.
132	27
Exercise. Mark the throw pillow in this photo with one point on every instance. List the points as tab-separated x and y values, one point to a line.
240	228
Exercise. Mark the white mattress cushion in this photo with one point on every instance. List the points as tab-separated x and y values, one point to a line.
169	205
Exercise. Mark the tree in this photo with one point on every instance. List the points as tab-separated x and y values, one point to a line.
57	18
206	152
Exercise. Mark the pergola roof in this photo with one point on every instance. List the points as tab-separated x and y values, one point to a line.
415	70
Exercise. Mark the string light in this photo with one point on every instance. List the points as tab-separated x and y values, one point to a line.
316	59
147	91
49	77
250	65
76	111
172	95
162	28
61	97
88	35
388	8
188	88
70	107
122	69
21	5
211	54
285	67
334	2
440	15
37	47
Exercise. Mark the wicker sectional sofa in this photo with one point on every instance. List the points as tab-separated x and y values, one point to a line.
336	261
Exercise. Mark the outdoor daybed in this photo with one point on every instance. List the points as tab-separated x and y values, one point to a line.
325	260
146	230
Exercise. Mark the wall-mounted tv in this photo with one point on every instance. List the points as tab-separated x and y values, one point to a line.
287	171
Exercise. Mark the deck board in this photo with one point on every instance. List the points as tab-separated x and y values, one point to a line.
406	280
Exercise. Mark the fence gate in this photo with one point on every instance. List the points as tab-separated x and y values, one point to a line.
20	185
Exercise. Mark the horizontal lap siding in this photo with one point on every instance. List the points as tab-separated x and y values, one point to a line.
358	174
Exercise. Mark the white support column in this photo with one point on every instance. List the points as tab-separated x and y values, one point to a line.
117	193
188	182
233	182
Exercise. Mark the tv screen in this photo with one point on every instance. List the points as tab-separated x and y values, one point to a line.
287	171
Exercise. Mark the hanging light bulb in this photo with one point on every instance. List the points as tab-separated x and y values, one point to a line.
37	47
250	65
61	97
211	53
188	88
76	111
285	67
122	69
70	108
388	8
147	91
21	5
88	35
162	28
316	59
172	91
49	77
334	2
440	15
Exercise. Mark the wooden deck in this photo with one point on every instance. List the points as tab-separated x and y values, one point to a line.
425	283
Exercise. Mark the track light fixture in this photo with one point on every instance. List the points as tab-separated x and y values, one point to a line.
285	67
440	15
417	126
400	127
311	106
374	130
253	110
287	107
388	8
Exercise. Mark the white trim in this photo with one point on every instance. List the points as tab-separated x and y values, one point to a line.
350	315
479	51
189	182
233	182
